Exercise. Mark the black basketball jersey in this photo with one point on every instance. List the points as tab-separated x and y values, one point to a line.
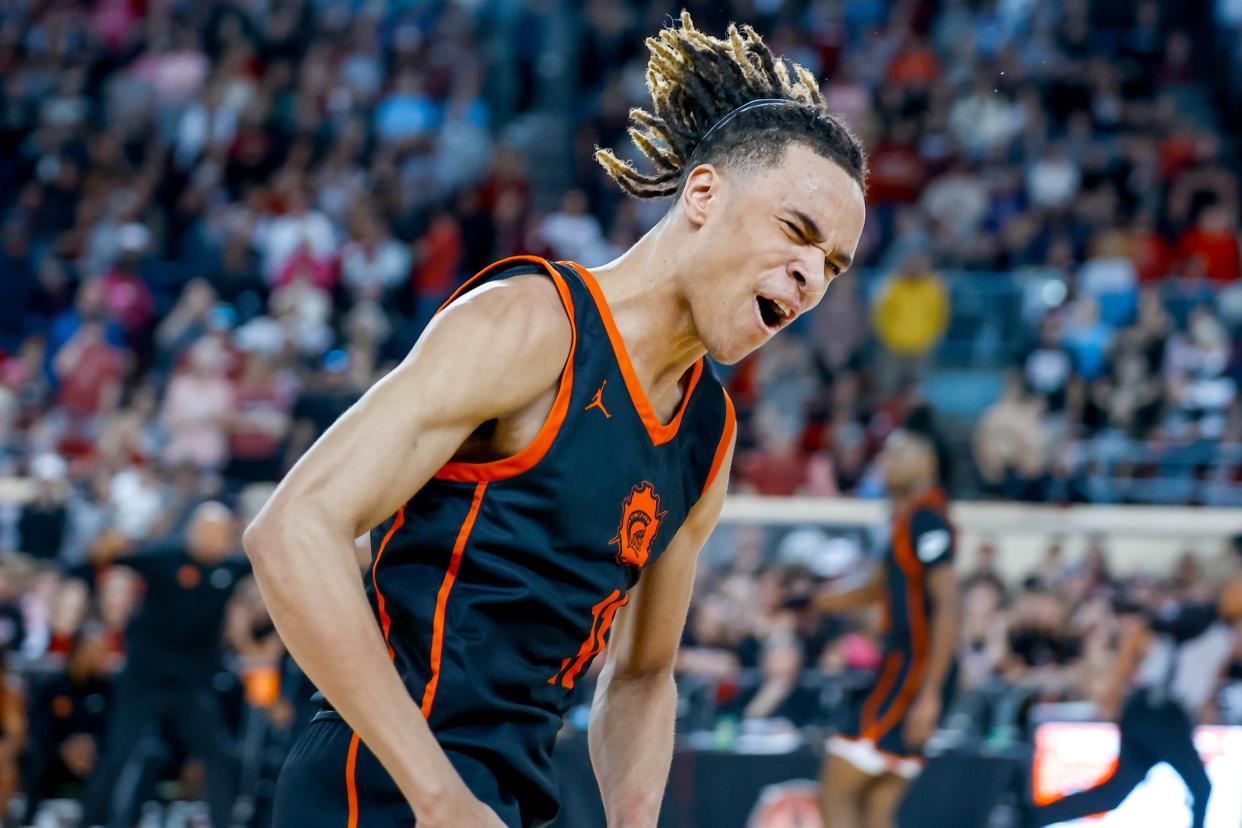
921	539
496	584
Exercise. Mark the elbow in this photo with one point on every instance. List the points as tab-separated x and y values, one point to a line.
261	539
649	673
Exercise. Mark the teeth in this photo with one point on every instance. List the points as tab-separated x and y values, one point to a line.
782	307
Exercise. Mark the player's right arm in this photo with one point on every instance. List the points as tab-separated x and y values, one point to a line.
496	353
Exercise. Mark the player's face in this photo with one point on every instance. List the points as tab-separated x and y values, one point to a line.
211	535
770	247
906	465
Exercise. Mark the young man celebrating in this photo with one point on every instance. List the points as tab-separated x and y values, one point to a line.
554	435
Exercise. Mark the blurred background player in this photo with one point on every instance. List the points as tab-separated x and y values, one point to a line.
1169	666
173	644
874	757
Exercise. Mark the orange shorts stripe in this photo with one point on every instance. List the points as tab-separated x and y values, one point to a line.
891	667
915	606
446	587
351	783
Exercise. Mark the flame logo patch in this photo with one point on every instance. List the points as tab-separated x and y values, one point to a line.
640	520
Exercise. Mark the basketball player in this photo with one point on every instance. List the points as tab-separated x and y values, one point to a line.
1171	658
554	434
872	760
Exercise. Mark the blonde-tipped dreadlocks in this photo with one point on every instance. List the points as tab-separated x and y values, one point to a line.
695	80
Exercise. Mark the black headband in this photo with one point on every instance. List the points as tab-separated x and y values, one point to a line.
755	104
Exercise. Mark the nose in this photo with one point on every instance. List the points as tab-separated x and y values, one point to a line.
798	271
811	279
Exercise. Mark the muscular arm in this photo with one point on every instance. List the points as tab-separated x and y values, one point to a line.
491	355
631	735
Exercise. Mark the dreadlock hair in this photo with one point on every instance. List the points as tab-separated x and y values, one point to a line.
695	81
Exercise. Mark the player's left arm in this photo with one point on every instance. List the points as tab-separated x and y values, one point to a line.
631	734
933	545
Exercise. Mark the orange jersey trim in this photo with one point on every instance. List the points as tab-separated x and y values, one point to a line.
446	587
351	781
722	448
528	457
660	433
602	615
385	621
471	283
904	551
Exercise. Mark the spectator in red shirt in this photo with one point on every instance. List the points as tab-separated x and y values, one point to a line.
304	265
263	398
437	269
89	370
127	297
778	466
897	171
1214	240
1149	250
914	66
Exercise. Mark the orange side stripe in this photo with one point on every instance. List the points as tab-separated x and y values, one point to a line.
351	783
385	621
904	550
726	440
528	457
660	433
446	586
881	691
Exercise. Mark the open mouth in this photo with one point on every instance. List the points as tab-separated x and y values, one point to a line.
773	312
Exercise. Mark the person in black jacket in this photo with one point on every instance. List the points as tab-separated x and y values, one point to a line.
42	522
173	647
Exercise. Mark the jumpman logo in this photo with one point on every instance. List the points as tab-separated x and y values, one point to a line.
598	401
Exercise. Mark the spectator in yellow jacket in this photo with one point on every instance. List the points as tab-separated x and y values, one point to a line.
909	313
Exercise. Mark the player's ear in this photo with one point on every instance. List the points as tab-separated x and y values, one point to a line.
699	194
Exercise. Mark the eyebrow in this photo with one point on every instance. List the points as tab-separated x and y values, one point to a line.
810	229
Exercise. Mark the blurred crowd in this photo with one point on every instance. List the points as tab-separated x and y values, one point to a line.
1078	154
756	648
148	671
220	222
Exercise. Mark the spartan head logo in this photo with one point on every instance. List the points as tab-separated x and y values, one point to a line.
640	520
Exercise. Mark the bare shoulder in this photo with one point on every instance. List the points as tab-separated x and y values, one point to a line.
494	349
